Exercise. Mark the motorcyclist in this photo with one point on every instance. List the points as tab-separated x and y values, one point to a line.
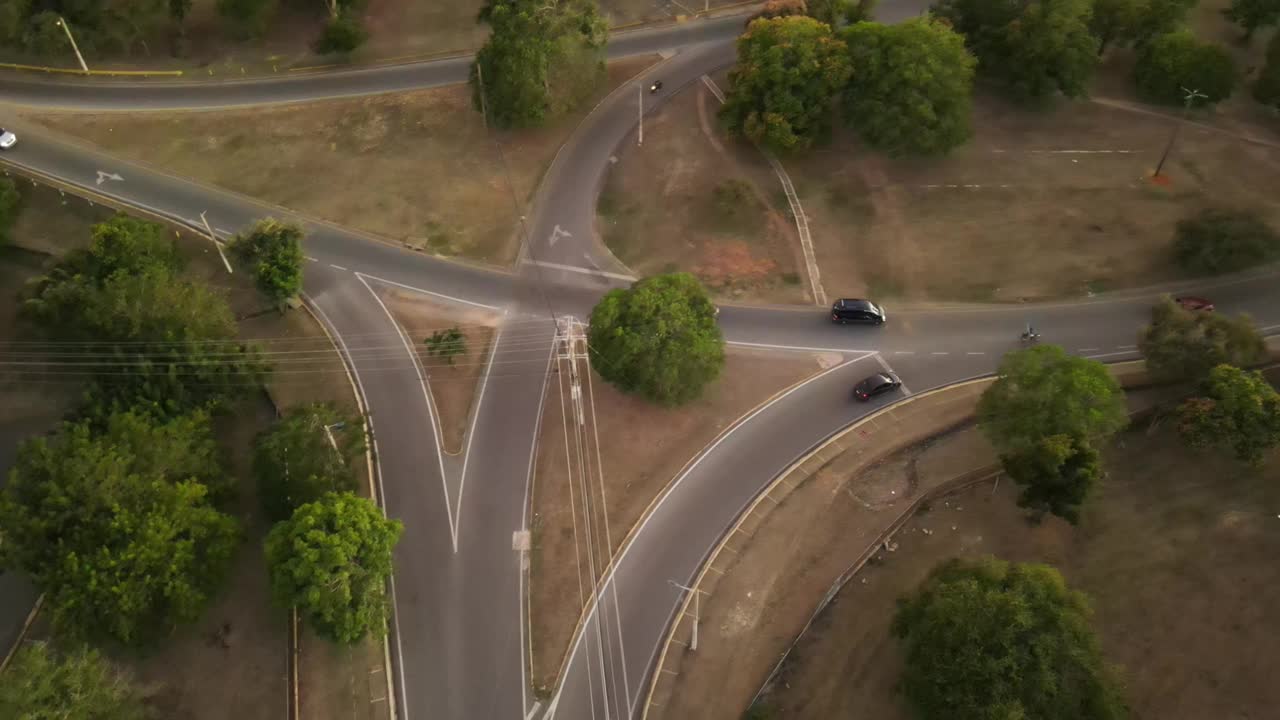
655	87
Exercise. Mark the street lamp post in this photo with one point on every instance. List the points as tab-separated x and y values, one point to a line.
67	29
693	642
1190	97
640	98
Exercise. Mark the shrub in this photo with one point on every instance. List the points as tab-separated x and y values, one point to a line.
10	205
1176	62
341	34
1266	89
1221	241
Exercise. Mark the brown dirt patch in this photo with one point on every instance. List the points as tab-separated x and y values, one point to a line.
686	200
305	157
642	447
452	385
1011	215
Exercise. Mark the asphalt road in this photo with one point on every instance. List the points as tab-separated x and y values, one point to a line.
458	644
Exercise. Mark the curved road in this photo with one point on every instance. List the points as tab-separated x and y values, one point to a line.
458	641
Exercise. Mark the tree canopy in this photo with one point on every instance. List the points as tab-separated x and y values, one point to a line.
1237	410
273	251
1043	391
249	18
1266	89
1181	344
789	72
1056	475
539	59
1253	14
77	685
911	86
1136	22
1036	48
1223	240
10	206
149	337
658	338
295	464
989	639
99	25
117	528
1173	63
332	560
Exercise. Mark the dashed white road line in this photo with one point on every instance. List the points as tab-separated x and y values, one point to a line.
939	353
336	267
1084	350
975	353
904	352
1127	347
310	259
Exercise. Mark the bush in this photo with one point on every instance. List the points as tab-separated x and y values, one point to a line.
341	34
1222	241
1178	60
10	205
273	250
1266	89
731	198
76	685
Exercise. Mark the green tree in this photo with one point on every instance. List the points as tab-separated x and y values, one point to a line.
332	560
342	34
1180	344
911	90
249	18
117	529
1177	60
1266	89
1043	391
989	640
1220	240
1237	410
1253	14
273	249
447	344
1056	474
157	340
788	74
77	685
1036	48
1136	22
295	462
10	206
540	59
658	338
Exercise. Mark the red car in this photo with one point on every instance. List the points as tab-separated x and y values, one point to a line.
1189	302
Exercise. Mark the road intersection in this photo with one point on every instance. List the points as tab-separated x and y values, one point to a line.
460	639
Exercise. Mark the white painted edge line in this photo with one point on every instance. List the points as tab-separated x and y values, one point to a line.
1110	354
374	460
532	711
582	271
1268	328
906	391
337	267
800	348
525	616
426	397
442	296
475	417
666	493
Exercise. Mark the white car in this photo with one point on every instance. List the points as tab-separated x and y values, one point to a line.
7	139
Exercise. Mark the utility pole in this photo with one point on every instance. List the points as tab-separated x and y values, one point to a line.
693	642
1191	96
640	98
67	29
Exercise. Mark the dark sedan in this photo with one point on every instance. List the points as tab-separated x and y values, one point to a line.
857	310
877	384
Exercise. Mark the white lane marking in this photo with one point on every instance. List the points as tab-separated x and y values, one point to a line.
471	434
904	352
377	461
1269	327
1085	350
975	353
428	292
939	353
224	231
532	711
524	525
336	267
799	348
1127	347
1110	354
666	494
426	397
310	259
885	364
582	271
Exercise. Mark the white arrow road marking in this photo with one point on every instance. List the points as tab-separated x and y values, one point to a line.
103	177
556	234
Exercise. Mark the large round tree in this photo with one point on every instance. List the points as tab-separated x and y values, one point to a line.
790	70
658	338
911	86
989	639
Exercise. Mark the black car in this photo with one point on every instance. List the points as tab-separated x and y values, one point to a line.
875	385
854	310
